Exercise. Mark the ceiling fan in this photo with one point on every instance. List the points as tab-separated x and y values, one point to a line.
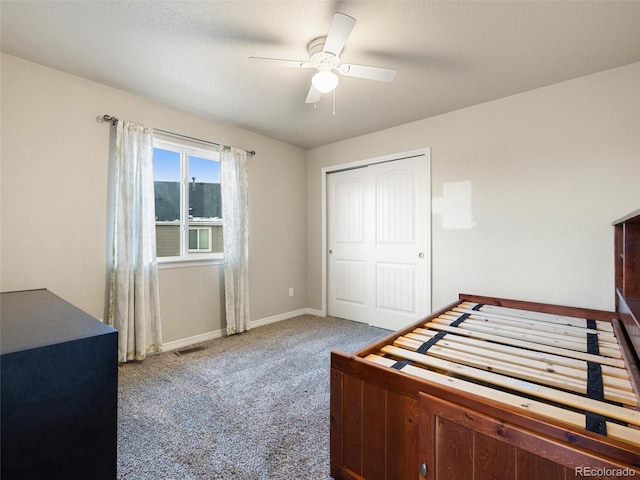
324	56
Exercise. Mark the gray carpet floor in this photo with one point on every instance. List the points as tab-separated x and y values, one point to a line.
250	406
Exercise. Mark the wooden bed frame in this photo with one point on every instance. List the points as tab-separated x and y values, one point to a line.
492	388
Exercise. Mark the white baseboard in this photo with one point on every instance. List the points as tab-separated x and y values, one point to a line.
278	318
185	342
204	337
314	312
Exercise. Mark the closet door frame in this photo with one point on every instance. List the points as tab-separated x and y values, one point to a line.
426	153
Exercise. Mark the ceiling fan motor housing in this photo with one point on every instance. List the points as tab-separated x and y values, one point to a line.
319	58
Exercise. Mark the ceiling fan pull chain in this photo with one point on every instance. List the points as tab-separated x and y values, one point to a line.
334	103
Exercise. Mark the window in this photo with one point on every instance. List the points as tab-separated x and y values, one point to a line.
200	239
187	201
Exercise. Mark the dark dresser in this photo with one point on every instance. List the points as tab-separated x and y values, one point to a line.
59	386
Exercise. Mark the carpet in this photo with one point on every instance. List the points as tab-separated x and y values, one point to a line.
249	406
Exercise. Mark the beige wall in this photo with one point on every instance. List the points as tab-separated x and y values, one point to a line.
54	179
549	170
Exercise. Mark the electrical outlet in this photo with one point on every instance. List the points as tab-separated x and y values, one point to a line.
291	291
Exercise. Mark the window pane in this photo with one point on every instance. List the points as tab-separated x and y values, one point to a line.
205	206
203	239
193	239
166	176
204	190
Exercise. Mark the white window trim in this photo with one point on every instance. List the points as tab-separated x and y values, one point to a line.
177	262
187	258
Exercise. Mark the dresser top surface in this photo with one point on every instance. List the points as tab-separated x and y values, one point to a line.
39	318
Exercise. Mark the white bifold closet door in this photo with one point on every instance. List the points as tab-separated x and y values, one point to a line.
379	261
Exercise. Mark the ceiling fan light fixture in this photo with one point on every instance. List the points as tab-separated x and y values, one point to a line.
325	81
324	57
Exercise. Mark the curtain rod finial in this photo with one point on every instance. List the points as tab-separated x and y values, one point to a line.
107	118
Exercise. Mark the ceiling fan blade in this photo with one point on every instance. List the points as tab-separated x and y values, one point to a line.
279	62
365	71
339	31
313	96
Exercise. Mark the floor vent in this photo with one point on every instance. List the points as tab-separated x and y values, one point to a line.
189	350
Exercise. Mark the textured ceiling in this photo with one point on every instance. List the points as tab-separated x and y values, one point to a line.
448	54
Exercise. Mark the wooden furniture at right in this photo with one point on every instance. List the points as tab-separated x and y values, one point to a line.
627	274
515	390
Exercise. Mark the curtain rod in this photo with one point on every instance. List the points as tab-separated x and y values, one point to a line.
114	120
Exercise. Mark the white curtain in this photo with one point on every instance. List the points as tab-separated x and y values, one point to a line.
235	219
134	308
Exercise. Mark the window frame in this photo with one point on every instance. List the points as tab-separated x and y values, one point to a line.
188	257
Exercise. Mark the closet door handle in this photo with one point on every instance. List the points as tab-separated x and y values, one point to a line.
421	255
